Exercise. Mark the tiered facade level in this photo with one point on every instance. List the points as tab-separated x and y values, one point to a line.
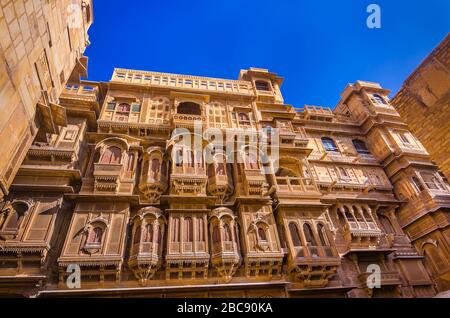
113	193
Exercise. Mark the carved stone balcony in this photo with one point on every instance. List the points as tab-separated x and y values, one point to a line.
318	112
187	260
107	177
225	258
188	179
314	266
254	182
219	186
295	185
386	278
263	265
153	187
52	153
362	235
82	93
265	96
145	260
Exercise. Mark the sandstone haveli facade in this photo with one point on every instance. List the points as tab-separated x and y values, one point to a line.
103	184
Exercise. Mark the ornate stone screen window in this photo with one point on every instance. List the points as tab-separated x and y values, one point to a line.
217	116
158	111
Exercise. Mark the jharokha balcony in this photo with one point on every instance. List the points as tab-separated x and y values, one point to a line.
311	263
107	176
387	278
360	231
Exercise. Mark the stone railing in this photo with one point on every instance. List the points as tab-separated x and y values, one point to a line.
183	81
295	184
83	91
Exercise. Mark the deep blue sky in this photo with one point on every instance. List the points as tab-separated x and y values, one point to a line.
318	46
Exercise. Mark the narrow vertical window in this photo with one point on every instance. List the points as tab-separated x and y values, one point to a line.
293	229
188	229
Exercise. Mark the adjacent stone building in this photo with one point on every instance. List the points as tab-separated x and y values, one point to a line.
424	104
41	48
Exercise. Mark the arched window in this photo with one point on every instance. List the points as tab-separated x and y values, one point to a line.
227	233
176	230
293	230
13	217
262	234
137	235
417	184
95	236
322	235
309	237
329	144
360	146
189	108
378	99
262	86
155	169
188	229
216	233
111	155
148	233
